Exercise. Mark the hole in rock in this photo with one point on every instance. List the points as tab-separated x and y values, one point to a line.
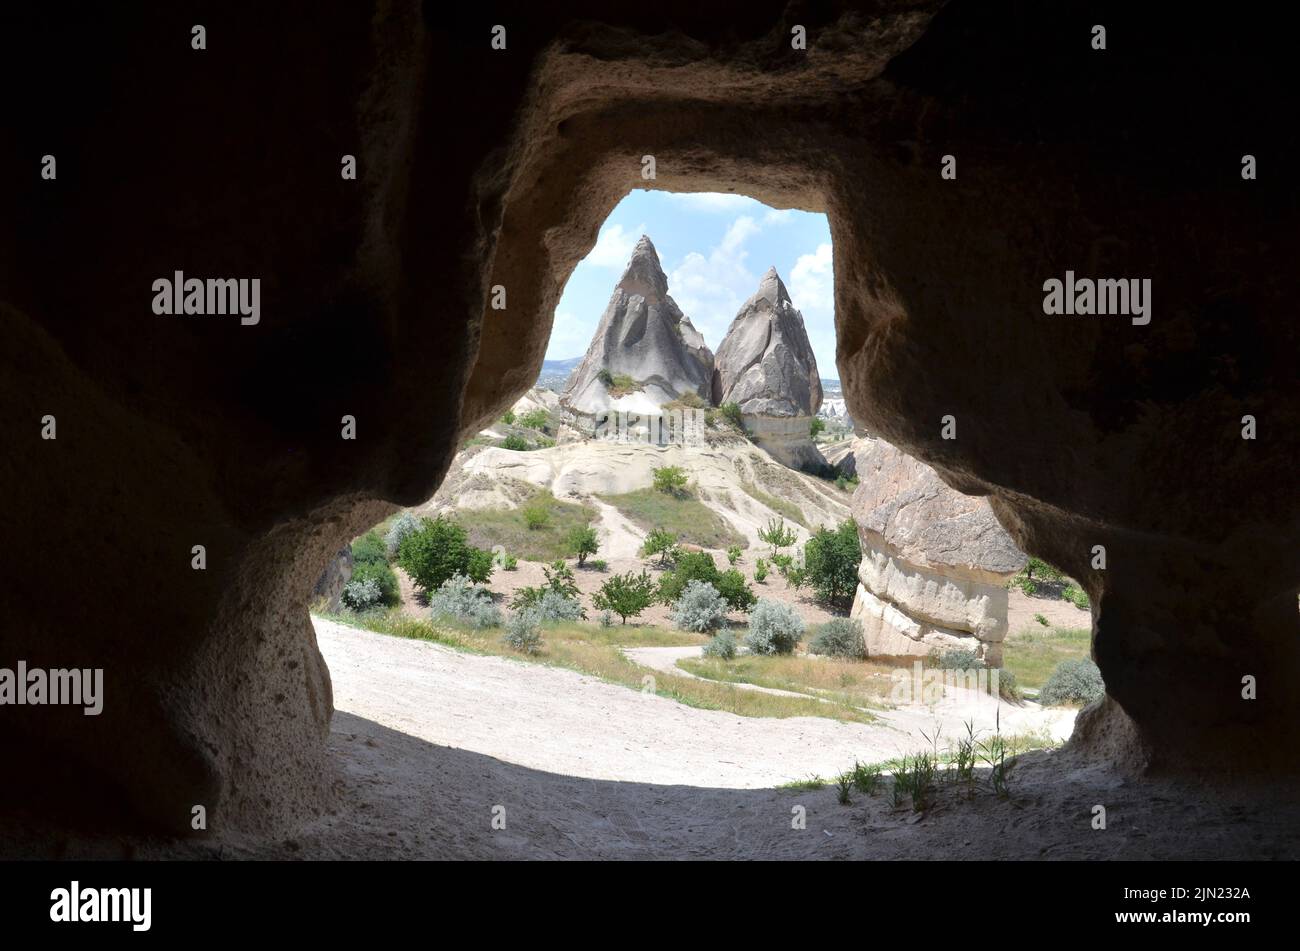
676	568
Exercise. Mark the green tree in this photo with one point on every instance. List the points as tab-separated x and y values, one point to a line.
777	534
536	419
817	427
581	542
440	549
626	595
830	563
670	479
659	542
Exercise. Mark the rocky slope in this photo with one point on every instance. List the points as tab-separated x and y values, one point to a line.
642	335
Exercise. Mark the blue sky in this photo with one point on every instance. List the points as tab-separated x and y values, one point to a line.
714	248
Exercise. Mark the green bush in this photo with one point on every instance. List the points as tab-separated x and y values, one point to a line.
508	417
687	566
369	548
1007	687
582	542
830	561
559	579
515	443
599	564
1074	681
626	595
1076	596
774	628
733	588
382	576
721	645
732	414
670	479
537	513
733	554
1040	619
956	658
778	535
437	551
659	542
361	595
536	419
839	637
760	571
817	427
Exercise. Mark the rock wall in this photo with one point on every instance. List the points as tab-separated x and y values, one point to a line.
329	586
935	563
478	167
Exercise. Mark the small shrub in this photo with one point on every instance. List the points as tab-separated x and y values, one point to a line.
559	579
508	417
368	549
1040	619
760	571
1008	689
606	619
721	645
506	561
778	535
515	443
843	784
700	608
599	564
605	377
659	542
536	419
459	599
732	586
1074	681
774	628
670	479
846	482
405	524
956	658
524	631
361	595
537	514
732	414
626	595
1076	596
865	778
733	555
554	606
582	542
817	427
382	575
839	637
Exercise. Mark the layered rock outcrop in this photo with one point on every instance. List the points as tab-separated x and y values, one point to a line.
766	366
645	352
935	563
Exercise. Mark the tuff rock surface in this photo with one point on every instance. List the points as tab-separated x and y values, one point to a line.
644	335
935	562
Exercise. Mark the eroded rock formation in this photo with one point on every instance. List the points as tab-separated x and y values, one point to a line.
935	563
642	336
766	366
479	167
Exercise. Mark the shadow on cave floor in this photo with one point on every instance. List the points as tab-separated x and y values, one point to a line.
400	797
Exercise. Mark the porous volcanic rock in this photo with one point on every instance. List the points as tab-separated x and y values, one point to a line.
935	562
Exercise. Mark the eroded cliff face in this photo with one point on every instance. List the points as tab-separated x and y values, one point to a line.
935	563
479	167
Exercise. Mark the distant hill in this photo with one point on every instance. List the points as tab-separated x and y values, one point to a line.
555	373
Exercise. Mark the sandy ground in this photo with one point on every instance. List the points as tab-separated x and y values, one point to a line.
1059	613
428	745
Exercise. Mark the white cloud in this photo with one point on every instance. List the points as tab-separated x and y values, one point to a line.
570	336
710	290
812	281
614	247
712	201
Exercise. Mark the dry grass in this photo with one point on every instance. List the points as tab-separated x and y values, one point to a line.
851	683
689	519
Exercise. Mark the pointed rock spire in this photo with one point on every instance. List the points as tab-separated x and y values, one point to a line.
645	352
